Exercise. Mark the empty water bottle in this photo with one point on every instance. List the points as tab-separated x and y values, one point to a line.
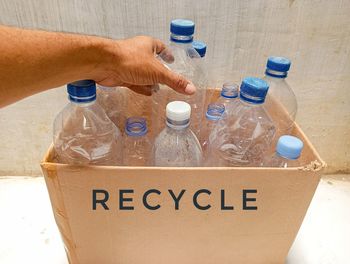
201	48
280	96
229	95
83	134
214	113
177	145
243	136
288	151
180	57
137	145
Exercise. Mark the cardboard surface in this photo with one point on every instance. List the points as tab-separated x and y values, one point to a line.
189	234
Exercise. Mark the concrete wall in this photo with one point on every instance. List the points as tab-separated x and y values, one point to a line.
240	36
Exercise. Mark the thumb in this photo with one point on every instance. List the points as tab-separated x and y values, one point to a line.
174	80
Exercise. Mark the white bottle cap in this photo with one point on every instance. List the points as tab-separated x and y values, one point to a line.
178	111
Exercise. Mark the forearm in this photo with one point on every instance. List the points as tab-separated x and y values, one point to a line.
33	61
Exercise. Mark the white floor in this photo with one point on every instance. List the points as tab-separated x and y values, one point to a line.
28	233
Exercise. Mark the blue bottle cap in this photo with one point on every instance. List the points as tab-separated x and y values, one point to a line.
83	91
136	126
229	90
289	147
182	27
279	64
253	90
215	111
200	47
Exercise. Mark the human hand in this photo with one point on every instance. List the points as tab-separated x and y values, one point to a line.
132	63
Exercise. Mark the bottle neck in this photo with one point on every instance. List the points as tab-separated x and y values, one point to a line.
284	157
178	125
180	39
82	104
227	96
136	127
212	120
229	90
213	116
276	74
135	135
251	101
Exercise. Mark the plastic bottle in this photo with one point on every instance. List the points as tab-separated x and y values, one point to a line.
137	145
113	101
201	49
288	150
214	113
229	95
184	62
177	145
280	96
83	134
244	135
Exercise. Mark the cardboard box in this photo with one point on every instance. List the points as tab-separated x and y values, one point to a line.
269	205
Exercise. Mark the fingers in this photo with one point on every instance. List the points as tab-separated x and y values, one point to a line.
165	53
158	46
146	69
141	89
175	81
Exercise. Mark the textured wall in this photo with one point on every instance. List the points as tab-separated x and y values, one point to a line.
240	36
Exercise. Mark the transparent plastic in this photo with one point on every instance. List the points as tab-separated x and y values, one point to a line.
242	137
281	96
183	59
229	95
177	146
113	101
279	161
83	134
138	149
120	103
215	112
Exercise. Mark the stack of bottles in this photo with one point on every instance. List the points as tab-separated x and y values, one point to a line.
247	125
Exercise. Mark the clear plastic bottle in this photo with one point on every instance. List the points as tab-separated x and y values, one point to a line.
229	95
280	95
184	62
201	49
138	149
113	101
177	145
288	150
214	113
244	135
83	133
